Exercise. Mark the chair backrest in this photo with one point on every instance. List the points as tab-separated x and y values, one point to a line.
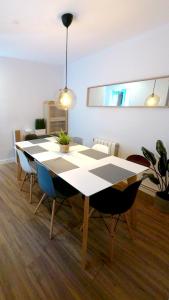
77	140
101	148
24	162
30	136
45	181
110	147
139	159
129	195
125	199
112	201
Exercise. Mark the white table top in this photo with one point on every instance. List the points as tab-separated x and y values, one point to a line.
80	176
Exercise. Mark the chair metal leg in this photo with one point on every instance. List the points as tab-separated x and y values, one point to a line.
52	219
23	181
40	202
128	226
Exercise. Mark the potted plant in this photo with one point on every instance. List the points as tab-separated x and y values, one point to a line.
40	126
63	140
160	175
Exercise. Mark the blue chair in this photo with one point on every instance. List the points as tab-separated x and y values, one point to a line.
55	188
30	172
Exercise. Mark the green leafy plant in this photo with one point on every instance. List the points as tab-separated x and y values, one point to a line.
63	138
160	168
40	124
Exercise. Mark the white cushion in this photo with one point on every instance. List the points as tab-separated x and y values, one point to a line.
101	148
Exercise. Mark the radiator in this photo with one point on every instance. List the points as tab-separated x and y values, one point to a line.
113	146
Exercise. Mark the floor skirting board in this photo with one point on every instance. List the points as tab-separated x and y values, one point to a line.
7	160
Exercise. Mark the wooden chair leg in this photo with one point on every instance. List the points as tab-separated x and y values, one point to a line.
33	179
30	193
90	214
128	226
52	218
40	202
112	236
23	181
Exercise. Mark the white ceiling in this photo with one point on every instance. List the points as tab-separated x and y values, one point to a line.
33	30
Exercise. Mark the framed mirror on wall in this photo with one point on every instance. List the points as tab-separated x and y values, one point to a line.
152	92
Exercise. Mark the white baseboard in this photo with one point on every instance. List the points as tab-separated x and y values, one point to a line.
148	190
6	161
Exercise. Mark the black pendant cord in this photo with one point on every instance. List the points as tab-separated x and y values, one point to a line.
66	55
154	86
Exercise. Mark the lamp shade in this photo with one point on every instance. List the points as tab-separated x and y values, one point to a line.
65	99
152	100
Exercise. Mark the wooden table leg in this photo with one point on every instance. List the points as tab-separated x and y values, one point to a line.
85	231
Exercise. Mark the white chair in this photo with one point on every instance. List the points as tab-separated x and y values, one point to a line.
106	146
30	172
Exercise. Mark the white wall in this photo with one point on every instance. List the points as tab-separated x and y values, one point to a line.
23	88
143	57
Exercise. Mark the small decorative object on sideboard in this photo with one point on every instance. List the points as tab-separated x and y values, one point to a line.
63	140
160	175
40	126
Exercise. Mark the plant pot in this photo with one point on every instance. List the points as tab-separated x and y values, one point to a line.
162	202
64	148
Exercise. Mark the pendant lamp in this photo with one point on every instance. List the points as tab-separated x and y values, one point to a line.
152	100
66	98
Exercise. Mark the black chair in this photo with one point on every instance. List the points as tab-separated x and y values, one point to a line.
30	136
112	202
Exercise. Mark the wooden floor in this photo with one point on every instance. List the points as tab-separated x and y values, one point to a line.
33	267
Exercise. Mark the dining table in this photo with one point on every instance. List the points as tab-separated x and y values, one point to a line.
87	170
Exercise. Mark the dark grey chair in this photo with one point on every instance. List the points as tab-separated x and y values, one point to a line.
77	140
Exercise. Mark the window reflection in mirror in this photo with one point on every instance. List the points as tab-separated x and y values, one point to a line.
151	92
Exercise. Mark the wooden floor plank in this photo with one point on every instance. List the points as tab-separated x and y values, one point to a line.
34	268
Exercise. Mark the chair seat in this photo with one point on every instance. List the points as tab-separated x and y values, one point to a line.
63	189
